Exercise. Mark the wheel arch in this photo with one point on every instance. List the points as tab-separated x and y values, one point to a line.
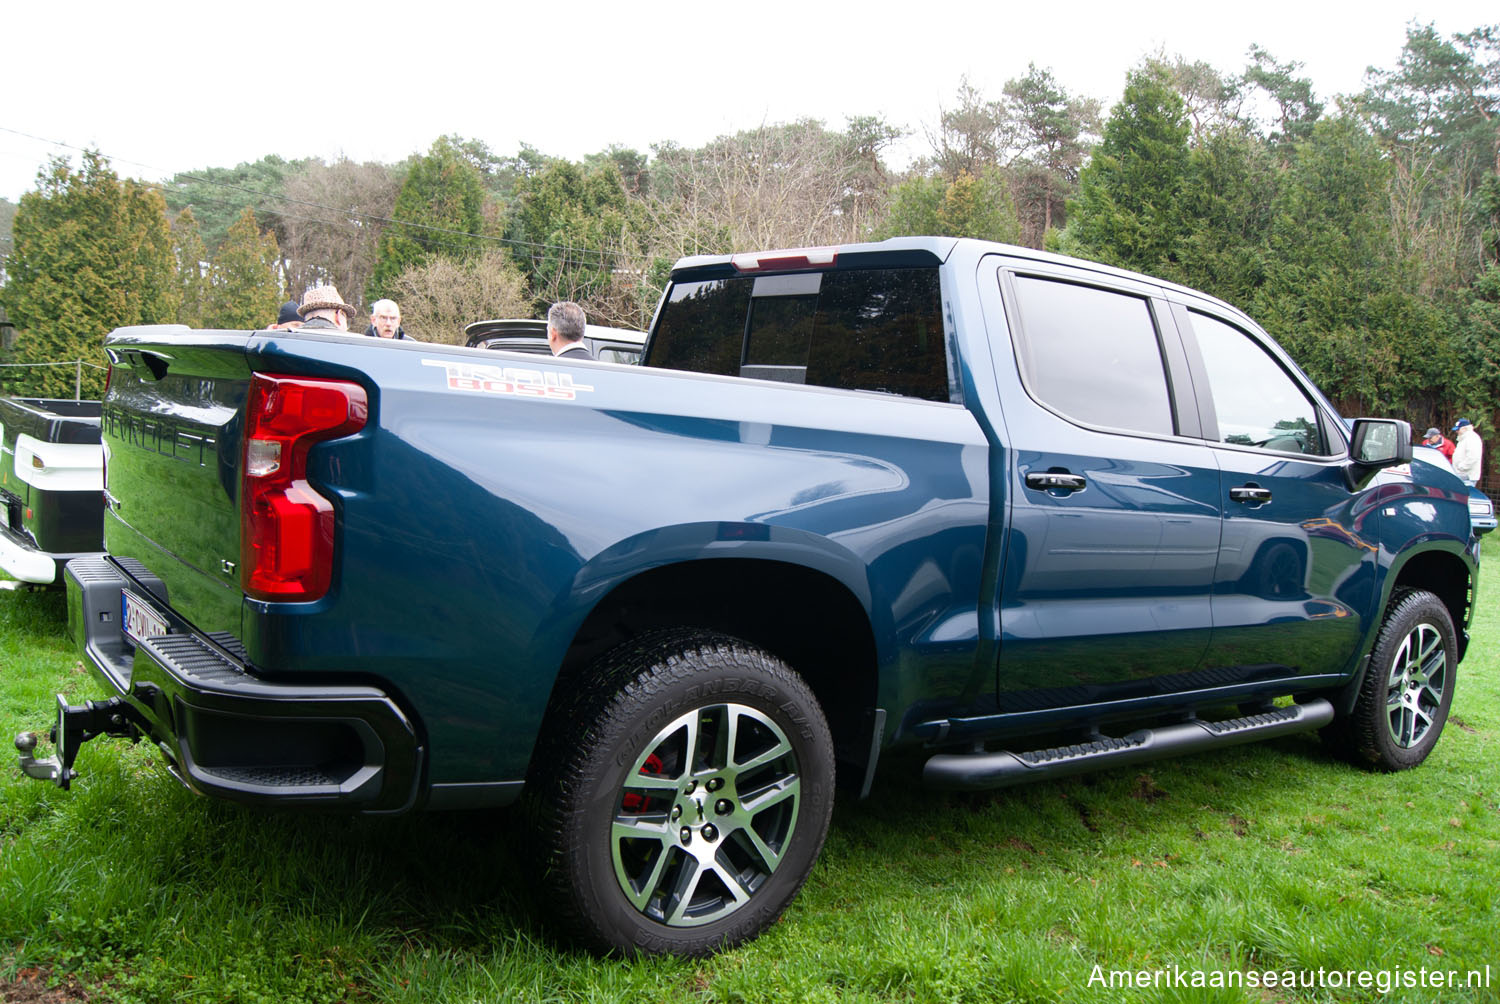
1446	573
807	617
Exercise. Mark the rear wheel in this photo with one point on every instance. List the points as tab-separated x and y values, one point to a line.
689	793
1408	689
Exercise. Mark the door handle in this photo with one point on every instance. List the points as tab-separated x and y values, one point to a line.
1056	481
1253	494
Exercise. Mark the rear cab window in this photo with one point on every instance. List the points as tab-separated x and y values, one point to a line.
874	329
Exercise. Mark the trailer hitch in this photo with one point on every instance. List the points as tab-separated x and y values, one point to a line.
76	725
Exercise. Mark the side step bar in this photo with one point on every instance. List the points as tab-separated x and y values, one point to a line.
984	770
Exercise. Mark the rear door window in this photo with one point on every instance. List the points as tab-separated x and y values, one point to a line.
859	329
1092	355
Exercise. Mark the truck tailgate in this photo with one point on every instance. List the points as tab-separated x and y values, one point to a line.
171	428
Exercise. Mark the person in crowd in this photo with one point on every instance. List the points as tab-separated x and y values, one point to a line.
566	324
1468	452
322	307
1438	441
385	321
287	318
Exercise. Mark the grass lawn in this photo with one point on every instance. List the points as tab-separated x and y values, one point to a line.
1255	860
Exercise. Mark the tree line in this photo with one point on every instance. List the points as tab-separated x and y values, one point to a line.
1363	233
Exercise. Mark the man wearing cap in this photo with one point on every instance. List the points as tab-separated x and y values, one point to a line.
287	317
566	324
322	307
1468	452
1440	442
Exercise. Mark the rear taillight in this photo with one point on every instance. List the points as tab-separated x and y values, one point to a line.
286	527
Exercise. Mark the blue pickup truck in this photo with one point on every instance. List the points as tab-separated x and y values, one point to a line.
1028	514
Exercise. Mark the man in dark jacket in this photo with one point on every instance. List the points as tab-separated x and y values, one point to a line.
385	321
566	324
287	318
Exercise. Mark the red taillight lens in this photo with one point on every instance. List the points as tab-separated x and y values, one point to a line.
799	259
286	527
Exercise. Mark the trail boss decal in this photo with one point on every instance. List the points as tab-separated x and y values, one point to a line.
516	380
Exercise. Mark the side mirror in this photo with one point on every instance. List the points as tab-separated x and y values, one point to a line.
1376	443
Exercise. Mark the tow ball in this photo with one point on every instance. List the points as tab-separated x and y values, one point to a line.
76	725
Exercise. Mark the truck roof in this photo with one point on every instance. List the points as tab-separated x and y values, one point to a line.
894	252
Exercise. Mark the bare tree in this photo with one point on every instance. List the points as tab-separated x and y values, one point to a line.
976	135
333	217
776	186
438	298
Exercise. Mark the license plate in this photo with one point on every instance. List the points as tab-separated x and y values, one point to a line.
141	622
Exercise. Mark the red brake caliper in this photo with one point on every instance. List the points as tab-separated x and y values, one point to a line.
637	804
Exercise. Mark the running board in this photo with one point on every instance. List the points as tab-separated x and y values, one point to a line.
984	770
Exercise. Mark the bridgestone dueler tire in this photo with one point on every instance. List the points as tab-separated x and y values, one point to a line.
1407	692
659	838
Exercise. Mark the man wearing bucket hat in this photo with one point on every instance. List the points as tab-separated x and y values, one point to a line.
322	307
1468	452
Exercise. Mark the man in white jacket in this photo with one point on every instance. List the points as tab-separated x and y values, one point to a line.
1468	451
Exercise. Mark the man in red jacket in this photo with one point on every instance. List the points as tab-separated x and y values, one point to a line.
1438	441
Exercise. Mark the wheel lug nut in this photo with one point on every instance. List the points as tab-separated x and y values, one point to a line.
709	833
676	812
686	835
692	786
715	783
723	806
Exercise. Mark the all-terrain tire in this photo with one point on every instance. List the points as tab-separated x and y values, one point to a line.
681	795
1407	692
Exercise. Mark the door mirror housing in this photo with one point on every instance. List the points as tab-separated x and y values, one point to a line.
1376	443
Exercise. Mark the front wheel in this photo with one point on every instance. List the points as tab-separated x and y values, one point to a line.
1408	688
689	793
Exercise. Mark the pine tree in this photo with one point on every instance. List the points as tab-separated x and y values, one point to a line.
1128	212
442	206
91	253
244	290
192	266
965	207
568	226
979	207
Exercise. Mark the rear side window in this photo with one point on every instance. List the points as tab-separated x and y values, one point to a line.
701	326
861	329
1093	355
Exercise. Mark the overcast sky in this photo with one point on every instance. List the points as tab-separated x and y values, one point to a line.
162	87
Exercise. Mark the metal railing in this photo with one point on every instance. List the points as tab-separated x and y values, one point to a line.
77	364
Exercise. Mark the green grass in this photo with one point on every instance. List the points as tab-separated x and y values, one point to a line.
1259	859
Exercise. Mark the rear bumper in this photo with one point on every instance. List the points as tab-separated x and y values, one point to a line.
228	733
20	559
57	527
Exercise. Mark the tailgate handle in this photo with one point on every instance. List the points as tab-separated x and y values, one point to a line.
148	365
